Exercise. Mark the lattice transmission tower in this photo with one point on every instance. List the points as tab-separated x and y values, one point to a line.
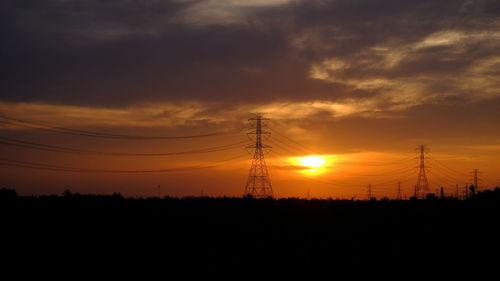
398	196
258	184
475	179
422	185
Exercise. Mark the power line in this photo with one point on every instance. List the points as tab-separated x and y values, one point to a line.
76	132
298	145
286	150
441	179
54	148
447	174
43	166
327	180
445	177
447	168
403	171
305	149
399	171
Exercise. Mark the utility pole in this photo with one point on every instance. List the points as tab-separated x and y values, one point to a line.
258	183
399	191
422	185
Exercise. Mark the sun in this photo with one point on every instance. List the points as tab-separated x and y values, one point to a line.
312	161
311	164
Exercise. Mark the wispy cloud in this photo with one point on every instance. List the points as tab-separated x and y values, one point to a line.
426	71
157	115
222	12
186	113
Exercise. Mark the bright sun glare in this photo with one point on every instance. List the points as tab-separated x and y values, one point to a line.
312	161
314	164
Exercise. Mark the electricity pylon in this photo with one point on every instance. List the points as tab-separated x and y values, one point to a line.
475	179
399	191
422	185
258	183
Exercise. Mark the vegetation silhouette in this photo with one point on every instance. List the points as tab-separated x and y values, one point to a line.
233	235
7	194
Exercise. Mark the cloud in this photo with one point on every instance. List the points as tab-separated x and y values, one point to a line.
152	115
222	12
82	22
345	58
174	114
430	70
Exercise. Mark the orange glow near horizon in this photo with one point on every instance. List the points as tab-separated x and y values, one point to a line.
340	167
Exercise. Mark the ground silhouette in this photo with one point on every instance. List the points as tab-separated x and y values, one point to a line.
235	235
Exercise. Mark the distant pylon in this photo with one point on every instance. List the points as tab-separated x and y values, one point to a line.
369	192
399	191
258	183
422	185
475	179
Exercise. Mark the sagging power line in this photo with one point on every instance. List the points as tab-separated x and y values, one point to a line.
43	166
258	177
69	131
55	148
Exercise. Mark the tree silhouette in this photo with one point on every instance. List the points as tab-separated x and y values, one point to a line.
8	194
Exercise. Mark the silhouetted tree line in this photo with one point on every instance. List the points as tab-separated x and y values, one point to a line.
7	194
244	235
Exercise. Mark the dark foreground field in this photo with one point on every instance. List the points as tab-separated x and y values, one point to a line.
234	235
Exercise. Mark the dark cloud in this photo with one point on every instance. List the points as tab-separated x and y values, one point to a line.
120	52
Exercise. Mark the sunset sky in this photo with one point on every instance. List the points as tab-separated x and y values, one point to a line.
357	84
